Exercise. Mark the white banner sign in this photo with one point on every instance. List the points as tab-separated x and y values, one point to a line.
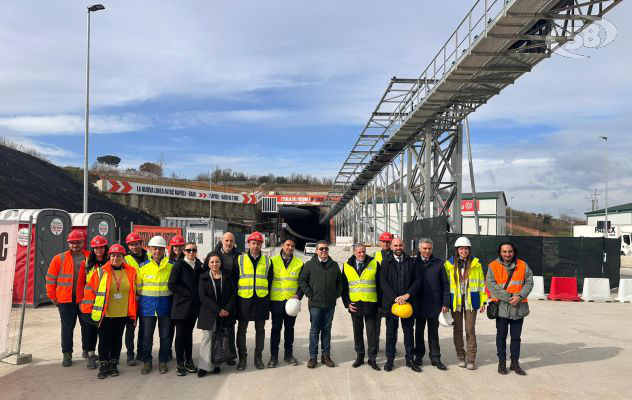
344	241
8	251
123	187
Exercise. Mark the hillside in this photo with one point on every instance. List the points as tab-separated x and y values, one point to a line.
536	224
29	182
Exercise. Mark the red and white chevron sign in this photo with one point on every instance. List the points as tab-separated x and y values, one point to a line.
118	186
123	187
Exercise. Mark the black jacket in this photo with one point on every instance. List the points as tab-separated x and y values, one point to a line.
254	308
211	305
363	308
183	282
435	288
321	285
392	275
228	260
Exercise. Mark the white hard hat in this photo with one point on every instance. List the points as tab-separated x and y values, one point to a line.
292	307
157	241
462	242
445	319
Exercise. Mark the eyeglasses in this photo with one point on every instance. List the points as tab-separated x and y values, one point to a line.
191	250
74	243
323	249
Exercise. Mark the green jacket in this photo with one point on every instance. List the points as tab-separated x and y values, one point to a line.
321	285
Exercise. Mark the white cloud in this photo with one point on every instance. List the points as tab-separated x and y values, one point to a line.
67	124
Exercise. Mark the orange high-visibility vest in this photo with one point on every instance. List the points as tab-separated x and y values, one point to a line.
501	275
97	293
59	278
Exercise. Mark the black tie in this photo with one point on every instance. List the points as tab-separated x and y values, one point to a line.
360	265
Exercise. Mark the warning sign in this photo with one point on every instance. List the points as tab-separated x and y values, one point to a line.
56	226
104	228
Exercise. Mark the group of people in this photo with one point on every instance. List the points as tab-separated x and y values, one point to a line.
110	290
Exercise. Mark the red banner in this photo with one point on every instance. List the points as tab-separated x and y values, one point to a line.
468	205
147	232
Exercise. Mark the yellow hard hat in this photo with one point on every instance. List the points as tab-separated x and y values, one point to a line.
402	310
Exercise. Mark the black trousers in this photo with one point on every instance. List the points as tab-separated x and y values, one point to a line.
372	338
514	327
172	333
278	321
392	325
111	338
184	339
129	338
91	332
68	314
260	337
433	338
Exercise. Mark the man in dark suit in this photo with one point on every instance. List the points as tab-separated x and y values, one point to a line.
400	283
435	299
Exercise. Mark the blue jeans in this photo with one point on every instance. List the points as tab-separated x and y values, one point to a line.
164	327
321	319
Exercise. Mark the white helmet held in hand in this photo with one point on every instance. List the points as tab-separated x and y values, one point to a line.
157	241
445	319
292	307
463	242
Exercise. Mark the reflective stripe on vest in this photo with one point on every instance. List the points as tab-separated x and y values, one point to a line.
154	278
249	277
501	275
285	281
363	287
99	300
475	284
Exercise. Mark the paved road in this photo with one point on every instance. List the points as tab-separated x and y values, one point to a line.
570	350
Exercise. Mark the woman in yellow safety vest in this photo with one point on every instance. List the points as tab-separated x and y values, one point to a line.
110	299
467	295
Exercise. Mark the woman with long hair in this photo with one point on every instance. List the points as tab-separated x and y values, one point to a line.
96	259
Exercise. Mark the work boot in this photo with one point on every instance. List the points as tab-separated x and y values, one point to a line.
104	369
147	367
114	368
242	364
502	367
92	362
326	359
312	363
290	359
162	368
67	361
190	367
180	370
259	363
84	354
273	362
515	367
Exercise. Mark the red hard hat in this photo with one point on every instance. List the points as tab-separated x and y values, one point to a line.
177	240
116	248
133	237
75	236
386	237
255	236
98	241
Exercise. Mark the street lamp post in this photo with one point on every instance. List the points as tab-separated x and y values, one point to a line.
511	215
605	229
93	8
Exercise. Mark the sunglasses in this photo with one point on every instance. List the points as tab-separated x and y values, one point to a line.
323	249
191	250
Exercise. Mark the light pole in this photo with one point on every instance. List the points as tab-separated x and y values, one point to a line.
93	8
511	215
605	229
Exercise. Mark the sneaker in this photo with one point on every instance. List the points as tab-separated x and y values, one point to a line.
92	362
67	360
462	364
273	362
190	367
104	369
162	368
114	368
147	367
180	370
470	366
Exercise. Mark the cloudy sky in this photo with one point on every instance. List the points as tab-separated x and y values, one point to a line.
286	86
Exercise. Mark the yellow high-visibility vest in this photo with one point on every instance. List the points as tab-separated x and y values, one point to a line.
285	281
475	295
363	287
247	274
153	278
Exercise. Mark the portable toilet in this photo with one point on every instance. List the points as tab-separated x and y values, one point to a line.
93	224
48	238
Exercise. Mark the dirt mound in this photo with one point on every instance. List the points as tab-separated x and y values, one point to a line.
28	182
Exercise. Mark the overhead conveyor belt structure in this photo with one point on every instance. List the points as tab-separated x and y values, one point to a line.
406	163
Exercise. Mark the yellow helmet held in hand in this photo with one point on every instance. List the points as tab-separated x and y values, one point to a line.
402	310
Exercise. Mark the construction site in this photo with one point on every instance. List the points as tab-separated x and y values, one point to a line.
410	175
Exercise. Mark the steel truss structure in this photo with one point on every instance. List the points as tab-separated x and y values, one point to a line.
407	162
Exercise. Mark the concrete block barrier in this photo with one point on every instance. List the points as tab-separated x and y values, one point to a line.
596	289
